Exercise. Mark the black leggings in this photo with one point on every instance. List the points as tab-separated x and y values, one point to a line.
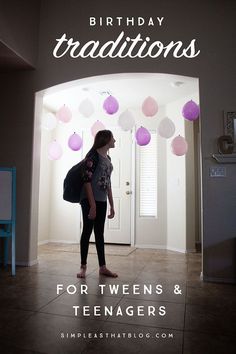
88	225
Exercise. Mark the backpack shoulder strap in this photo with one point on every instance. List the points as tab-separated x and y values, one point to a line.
89	166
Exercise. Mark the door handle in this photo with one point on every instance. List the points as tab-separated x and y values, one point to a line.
128	192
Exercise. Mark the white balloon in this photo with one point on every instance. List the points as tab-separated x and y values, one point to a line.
166	128
86	108
96	127
126	120
49	121
54	151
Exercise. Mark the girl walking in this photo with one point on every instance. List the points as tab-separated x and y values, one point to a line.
96	189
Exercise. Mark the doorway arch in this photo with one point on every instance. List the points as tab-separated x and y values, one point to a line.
169	90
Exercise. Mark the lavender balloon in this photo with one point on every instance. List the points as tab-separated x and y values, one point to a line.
179	146
96	127
143	136
191	111
149	107
75	142
111	105
64	114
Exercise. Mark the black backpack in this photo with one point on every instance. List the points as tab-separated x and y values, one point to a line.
73	183
77	176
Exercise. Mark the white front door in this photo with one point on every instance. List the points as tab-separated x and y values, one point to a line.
118	230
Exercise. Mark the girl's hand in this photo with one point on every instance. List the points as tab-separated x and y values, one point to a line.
112	213
92	212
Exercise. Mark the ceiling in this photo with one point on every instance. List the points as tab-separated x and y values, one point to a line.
9	60
129	89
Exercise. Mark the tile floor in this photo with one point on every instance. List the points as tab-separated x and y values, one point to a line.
200	320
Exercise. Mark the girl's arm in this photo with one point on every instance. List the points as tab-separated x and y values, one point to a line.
110	198
92	203
90	164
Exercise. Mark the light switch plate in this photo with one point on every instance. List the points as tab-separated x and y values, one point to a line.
217	171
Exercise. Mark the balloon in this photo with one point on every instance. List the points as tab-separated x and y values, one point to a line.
64	114
179	146
97	126
142	136
126	120
54	150
75	142
166	128
191	111
49	121
111	105
86	108
149	107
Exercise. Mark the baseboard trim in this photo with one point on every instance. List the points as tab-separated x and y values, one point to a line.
137	245
56	241
180	250
160	247
191	250
43	242
25	264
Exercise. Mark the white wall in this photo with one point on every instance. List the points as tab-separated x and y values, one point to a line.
58	220
181	183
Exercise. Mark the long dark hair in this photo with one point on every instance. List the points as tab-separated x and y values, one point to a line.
101	139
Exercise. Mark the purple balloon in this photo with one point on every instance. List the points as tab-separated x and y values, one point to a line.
143	136
75	142
111	105
191	110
